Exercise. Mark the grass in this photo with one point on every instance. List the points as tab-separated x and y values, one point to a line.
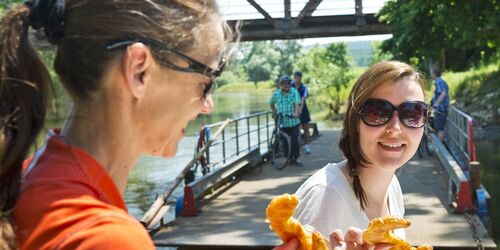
477	82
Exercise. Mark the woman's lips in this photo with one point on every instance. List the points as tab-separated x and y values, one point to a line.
392	147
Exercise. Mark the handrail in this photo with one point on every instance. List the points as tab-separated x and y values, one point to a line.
458	185
239	137
461	163
236	152
159	207
460	137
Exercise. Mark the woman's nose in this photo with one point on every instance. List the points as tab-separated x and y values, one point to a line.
208	105
394	124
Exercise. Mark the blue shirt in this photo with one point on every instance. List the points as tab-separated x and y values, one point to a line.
302	90
441	86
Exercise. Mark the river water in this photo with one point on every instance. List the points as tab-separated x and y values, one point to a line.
152	175
488	153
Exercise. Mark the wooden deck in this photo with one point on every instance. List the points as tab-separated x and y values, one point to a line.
234	217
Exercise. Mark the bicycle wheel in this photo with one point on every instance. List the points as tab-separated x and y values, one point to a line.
429	147
280	152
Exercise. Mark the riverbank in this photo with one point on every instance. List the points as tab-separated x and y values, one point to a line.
264	86
477	92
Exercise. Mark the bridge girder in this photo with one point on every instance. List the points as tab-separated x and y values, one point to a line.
305	25
325	26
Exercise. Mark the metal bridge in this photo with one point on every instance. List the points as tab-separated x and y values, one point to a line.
336	18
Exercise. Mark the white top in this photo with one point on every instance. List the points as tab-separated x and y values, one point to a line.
327	202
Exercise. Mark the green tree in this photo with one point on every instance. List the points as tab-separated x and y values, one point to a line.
326	70
378	54
442	32
289	53
4	4
261	60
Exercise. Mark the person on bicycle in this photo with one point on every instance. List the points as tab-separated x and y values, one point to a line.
286	101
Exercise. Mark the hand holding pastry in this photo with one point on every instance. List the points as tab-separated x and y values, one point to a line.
279	214
380	231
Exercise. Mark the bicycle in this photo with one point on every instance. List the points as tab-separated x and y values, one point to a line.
280	145
426	142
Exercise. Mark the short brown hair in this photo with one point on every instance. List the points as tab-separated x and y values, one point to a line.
376	76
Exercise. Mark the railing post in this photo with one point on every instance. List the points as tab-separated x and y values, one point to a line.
267	129
472	145
207	134
248	132
237	138
474	177
223	146
258	131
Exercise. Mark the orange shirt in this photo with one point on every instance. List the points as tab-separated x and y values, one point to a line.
68	201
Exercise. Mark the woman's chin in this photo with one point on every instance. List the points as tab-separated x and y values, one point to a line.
389	164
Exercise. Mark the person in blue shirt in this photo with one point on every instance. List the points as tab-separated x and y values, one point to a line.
439	103
304	116
286	101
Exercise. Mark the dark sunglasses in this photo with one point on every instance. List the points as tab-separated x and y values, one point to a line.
377	112
192	67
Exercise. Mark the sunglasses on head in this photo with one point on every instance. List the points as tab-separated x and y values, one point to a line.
377	112
193	66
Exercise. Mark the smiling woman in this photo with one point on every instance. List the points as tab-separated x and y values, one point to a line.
138	71
381	132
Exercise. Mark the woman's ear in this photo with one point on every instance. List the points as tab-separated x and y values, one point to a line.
136	67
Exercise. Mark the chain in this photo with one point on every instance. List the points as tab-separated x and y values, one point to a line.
471	222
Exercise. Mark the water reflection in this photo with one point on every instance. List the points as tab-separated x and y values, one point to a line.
231	105
488	152
152	175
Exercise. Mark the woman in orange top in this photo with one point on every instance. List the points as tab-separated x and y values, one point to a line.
137	71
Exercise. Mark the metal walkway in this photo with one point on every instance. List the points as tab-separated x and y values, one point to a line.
234	217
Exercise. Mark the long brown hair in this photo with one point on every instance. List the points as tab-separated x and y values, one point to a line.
81	60
376	76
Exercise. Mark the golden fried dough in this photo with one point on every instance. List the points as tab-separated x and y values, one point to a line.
380	231
279	214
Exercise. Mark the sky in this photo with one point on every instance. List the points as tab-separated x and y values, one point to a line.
241	9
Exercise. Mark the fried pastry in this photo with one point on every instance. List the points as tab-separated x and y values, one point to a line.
380	231
279	214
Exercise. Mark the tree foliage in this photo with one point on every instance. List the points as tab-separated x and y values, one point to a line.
289	54
425	30
326	70
378	54
261	61
5	4
267	60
